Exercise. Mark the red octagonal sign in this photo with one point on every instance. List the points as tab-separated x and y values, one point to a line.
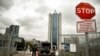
85	11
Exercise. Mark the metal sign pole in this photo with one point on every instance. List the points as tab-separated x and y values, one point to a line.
87	47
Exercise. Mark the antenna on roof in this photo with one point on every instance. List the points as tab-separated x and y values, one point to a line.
55	11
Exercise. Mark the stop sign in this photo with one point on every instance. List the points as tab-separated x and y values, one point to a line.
85	11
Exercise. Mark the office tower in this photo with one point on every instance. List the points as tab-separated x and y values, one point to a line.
12	30
7	31
54	29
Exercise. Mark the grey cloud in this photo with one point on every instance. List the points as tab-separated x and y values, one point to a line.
26	22
2	31
24	1
29	23
6	21
41	1
96	1
42	9
6	3
2	27
68	15
2	10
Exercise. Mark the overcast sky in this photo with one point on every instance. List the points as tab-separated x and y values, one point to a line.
32	16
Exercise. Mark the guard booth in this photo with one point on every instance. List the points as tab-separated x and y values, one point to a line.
67	47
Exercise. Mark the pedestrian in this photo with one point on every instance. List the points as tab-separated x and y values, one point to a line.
37	52
34	51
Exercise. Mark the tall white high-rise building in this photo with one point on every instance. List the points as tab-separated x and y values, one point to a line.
54	29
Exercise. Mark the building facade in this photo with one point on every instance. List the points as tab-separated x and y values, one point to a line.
54	29
7	45
9	40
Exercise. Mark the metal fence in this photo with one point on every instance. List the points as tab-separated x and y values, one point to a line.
6	45
79	40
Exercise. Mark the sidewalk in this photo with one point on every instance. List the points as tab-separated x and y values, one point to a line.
23	53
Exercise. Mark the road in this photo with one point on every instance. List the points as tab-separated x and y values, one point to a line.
25	53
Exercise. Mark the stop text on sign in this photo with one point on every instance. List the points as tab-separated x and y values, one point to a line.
85	10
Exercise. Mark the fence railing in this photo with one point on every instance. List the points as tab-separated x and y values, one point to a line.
79	40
